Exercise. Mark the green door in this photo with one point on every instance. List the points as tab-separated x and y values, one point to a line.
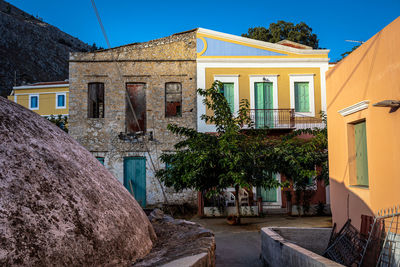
264	104
269	195
135	178
360	135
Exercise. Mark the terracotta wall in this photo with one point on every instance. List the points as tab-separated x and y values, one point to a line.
371	73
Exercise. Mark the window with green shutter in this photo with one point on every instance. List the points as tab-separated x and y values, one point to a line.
360	138
228	91
301	97
264	104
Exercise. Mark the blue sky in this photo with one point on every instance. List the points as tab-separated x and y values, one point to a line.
128	21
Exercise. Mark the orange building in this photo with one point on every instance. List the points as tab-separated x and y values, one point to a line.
364	138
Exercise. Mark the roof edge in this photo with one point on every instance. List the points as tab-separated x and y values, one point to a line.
263	43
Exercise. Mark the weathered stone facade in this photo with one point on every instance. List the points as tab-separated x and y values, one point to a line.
154	63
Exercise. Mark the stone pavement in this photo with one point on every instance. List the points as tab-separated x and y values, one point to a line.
241	245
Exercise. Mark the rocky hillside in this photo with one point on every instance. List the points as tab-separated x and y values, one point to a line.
32	50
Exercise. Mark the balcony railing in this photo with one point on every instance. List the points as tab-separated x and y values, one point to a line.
282	119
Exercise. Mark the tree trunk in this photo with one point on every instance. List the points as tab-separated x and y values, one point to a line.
237	204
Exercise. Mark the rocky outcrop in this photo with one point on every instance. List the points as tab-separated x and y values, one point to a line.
58	205
32	50
180	243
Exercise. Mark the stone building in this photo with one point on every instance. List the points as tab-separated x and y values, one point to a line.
160	76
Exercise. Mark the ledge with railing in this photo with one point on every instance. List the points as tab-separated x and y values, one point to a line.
283	119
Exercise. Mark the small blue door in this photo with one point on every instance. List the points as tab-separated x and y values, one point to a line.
135	178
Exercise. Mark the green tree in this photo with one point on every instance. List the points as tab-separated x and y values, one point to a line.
212	162
299	33
240	158
60	121
345	54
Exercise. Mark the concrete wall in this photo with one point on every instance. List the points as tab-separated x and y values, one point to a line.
371	73
279	251
170	59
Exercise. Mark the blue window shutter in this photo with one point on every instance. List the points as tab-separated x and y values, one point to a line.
61	100
34	102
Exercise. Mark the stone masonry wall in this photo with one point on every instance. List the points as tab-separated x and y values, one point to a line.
170	59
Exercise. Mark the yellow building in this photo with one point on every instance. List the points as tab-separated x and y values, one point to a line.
284	83
44	98
364	142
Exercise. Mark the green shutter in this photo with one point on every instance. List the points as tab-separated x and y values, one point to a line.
360	135
301	96
228	91
263	94
259	105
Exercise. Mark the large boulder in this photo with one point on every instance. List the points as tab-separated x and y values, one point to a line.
58	205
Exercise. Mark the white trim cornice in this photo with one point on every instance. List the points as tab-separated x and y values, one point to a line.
262	60
299	74
354	108
263	75
226	75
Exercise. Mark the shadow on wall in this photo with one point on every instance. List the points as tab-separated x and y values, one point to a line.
346	204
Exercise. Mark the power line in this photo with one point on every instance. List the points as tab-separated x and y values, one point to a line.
128	97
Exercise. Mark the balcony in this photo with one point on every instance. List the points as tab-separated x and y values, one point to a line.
282	119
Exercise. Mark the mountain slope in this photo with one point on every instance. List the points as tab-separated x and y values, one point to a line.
32	50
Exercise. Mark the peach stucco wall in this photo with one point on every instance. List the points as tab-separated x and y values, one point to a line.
372	72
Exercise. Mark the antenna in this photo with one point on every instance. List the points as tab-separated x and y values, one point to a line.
353	41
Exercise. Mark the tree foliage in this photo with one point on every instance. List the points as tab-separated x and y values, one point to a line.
345	54
60	121
299	33
213	162
233	157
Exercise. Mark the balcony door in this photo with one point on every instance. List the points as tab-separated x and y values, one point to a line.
264	104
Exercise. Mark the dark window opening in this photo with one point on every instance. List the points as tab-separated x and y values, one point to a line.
173	99
96	100
137	97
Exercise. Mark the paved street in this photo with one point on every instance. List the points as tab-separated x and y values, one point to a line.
241	245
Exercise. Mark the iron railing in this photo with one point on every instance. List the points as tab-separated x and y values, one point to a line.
282	119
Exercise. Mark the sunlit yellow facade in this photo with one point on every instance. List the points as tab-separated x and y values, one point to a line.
46	98
245	62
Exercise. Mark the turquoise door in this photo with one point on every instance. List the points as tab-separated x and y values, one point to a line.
269	195
135	178
264	104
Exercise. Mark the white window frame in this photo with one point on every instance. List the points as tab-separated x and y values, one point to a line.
264	78
65	101
303	78
38	101
233	78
